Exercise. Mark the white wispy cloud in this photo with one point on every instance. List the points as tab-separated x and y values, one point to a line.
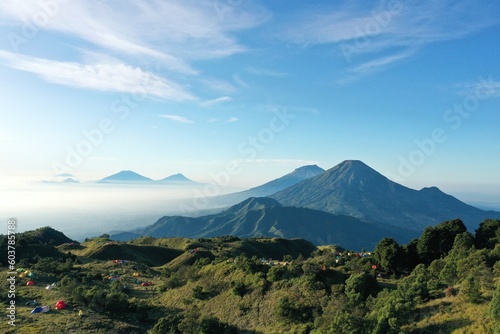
169	31
209	103
177	118
232	119
375	37
239	81
484	87
169	34
218	85
118	77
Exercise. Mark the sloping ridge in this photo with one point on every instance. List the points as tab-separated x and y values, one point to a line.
352	188
46	235
271	187
177	179
265	217
125	176
151	255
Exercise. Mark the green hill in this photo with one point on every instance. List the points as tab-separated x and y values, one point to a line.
230	285
41	242
265	217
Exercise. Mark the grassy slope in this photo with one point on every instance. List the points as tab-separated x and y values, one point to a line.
254	312
454	315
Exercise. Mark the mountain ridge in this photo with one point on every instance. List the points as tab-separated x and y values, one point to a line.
273	186
265	217
128	176
353	188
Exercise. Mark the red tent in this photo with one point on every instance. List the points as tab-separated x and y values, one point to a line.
30	282
60	304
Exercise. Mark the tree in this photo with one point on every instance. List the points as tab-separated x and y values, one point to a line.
437	241
448	230
276	273
346	323
410	254
198	293
190	324
211	325
415	286
392	314
387	254
488	234
294	312
167	324
470	290
495	305
359	286
461	249
462	245
239	289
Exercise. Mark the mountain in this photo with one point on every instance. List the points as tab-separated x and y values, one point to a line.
177	179
41	242
256	217
354	189
125	176
271	187
70	180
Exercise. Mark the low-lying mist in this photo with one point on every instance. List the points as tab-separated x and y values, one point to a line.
86	210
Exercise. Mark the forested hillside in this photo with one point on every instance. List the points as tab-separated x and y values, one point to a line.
445	281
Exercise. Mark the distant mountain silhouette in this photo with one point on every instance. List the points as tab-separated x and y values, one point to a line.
354	189
271	187
128	176
178	179
256	217
125	176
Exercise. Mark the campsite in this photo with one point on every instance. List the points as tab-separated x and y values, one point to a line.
258	285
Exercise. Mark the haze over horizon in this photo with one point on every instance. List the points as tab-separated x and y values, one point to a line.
239	93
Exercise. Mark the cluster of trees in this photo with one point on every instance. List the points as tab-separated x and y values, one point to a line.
326	293
191	321
112	298
351	300
435	243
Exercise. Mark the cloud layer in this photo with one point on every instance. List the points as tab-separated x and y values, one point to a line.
373	38
170	34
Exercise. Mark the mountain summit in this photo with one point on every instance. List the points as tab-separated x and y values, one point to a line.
256	217
125	176
177	179
271	187
128	177
352	188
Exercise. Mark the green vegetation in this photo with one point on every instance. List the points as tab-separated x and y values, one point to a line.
260	285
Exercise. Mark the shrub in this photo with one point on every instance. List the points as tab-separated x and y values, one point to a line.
495	305
167	324
470	290
239	289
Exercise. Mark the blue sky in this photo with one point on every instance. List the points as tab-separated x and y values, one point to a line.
251	88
